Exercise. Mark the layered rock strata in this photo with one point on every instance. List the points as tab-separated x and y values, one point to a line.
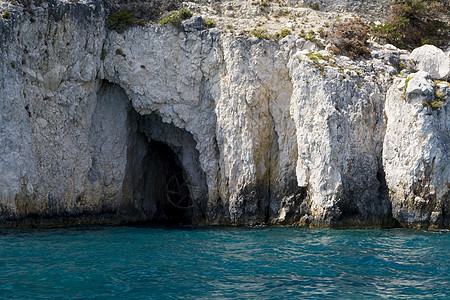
162	125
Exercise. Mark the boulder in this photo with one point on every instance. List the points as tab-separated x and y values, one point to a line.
390	56
433	60
419	88
195	23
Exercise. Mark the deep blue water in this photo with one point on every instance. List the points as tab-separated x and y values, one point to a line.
223	263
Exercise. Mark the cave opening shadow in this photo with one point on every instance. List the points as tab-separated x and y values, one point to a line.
164	174
144	169
166	185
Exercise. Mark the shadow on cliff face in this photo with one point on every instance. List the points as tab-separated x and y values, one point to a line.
162	179
162	190
169	185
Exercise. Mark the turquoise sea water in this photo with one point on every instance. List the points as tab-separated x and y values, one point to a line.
223	263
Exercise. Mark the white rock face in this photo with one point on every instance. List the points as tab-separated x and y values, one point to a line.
339	126
419	88
416	154
433	60
97	127
48	91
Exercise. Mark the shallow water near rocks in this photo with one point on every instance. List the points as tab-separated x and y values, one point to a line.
205	263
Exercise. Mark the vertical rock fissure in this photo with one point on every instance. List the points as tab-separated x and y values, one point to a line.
383	195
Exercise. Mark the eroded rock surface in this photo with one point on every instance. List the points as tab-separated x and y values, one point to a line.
416	153
432	60
97	126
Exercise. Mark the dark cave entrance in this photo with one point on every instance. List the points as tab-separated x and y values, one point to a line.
143	167
168	183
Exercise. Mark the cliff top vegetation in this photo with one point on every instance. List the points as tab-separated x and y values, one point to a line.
404	23
346	26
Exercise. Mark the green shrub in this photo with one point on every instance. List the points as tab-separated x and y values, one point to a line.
6	15
439	96
416	22
408	79
302	34
432	40
321	61
315	6
176	18
315	57
436	105
311	36
184	13
120	21
260	34
210	24
173	19
284	33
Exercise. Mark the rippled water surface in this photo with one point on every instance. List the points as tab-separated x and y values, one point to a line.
205	263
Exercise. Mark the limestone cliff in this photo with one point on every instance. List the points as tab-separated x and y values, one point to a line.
159	124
